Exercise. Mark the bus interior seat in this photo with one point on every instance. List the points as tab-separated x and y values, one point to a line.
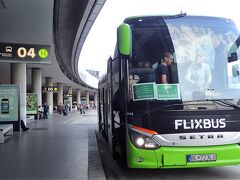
145	75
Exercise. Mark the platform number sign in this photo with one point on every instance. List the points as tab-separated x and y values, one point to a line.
10	52
23	52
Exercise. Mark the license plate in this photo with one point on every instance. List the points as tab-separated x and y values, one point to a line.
201	157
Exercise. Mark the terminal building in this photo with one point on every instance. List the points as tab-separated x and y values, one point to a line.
40	48
40	44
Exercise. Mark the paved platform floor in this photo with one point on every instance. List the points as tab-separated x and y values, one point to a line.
57	148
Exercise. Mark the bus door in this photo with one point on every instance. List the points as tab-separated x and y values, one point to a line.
114	109
109	105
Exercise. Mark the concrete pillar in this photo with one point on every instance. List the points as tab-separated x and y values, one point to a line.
69	91
78	96
19	77
87	97
95	99
60	94
37	84
49	95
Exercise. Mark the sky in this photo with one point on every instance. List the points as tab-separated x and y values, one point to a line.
101	40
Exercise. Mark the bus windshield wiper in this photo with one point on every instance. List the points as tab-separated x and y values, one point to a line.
225	101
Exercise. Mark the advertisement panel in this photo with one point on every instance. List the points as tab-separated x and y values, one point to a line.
32	103
9	102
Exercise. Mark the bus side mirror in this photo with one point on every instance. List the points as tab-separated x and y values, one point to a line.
233	57
232	52
124	40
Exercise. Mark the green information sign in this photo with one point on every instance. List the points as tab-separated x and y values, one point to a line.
32	103
143	91
168	91
43	53
9	102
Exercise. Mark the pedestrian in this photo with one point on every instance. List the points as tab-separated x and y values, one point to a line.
65	110
81	109
60	108
45	111
23	126
40	112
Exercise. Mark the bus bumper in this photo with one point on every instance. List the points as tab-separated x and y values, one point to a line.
176	157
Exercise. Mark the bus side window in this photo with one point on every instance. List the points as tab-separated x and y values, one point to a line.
116	84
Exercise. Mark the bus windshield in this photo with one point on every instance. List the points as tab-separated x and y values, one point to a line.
204	53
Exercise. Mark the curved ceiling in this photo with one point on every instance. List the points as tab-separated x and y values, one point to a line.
72	22
66	22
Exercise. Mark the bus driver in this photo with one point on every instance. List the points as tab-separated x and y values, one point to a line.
162	72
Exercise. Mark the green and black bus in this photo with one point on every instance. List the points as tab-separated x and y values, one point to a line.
191	121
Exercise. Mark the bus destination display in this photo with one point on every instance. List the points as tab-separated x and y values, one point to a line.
11	52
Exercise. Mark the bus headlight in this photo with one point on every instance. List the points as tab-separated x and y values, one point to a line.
141	141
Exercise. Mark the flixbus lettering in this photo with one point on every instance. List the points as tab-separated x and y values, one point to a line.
200	123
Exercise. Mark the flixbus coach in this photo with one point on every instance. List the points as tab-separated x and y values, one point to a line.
194	119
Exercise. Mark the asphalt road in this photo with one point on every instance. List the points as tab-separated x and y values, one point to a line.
115	171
